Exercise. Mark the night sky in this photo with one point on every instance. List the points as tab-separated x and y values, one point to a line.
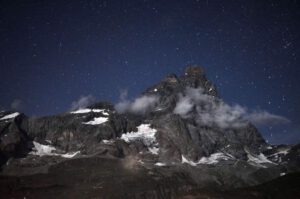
54	52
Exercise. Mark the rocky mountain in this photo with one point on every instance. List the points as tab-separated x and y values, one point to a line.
176	138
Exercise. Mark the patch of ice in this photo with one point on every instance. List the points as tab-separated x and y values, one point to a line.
47	150
10	116
184	160
257	160
146	134
160	164
97	121
261	158
281	151
108	141
105	113
42	150
69	155
153	150
159	109
214	158
282	174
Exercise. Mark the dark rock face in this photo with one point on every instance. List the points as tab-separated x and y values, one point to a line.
176	146
14	140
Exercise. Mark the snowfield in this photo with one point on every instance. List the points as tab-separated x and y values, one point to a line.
10	116
212	159
47	150
87	110
97	121
258	160
146	134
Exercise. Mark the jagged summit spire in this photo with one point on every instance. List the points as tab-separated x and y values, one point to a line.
172	78
194	70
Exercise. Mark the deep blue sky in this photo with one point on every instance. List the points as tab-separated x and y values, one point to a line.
53	52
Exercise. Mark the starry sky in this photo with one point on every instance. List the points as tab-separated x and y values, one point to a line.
54	52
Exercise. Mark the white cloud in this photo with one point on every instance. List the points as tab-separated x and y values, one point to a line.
123	94
264	117
143	104
211	111
122	106
17	104
140	105
184	105
83	102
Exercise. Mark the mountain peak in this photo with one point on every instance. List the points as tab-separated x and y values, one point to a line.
171	78
194	70
178	123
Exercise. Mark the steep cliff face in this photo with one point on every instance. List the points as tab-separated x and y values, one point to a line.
14	140
184	116
177	132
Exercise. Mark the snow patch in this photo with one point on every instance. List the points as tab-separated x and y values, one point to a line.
184	160
97	121
47	150
281	151
108	141
160	164
212	159
155	90
87	110
10	116
69	155
145	134
153	150
282	174
42	150
259	159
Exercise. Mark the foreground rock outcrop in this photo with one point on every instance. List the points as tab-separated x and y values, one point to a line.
176	138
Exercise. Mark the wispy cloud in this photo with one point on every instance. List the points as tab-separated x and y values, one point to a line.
140	105
264	117
83	102
211	111
17	104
